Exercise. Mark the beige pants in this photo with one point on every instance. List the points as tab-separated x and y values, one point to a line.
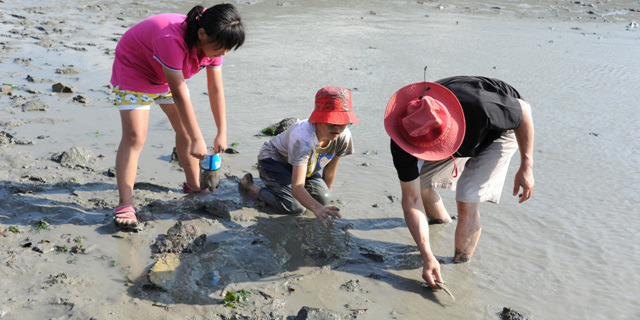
480	178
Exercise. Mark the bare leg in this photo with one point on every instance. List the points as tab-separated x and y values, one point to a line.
434	207
134	134
467	232
190	165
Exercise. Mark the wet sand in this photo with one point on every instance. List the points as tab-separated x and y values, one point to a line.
57	154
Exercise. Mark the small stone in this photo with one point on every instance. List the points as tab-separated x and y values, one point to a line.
60	87
42	249
80	99
351	285
309	313
510	314
76	157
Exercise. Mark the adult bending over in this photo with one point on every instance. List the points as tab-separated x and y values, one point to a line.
458	133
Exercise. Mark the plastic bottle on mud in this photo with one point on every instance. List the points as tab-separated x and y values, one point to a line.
210	170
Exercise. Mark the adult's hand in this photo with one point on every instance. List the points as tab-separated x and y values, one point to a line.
523	179
431	270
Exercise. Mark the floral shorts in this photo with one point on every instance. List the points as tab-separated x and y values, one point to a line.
133	100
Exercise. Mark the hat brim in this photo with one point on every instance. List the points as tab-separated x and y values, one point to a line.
339	118
396	108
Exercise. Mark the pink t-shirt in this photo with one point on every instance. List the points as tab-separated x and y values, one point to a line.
151	45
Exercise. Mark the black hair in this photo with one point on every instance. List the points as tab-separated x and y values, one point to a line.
222	23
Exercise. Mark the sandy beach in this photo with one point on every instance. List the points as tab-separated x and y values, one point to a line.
62	258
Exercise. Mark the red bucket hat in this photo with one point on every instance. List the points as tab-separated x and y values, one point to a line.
426	120
333	105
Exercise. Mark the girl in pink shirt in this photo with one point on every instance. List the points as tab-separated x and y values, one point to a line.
152	61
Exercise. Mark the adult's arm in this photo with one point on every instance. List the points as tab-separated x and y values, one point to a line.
178	88
418	225
329	171
524	136
301	194
218	107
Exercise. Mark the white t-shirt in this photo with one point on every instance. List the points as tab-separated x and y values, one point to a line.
299	146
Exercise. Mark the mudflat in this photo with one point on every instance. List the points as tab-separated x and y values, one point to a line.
221	255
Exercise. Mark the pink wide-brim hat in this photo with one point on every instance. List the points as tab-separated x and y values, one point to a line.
333	105
426	120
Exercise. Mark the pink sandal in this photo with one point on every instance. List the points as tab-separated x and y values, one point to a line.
125	212
188	189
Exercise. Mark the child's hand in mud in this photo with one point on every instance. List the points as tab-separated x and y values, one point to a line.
326	214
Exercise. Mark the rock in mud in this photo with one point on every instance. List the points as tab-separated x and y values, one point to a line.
510	314
309	313
180	239
42	248
162	272
80	99
6	138
351	285
76	157
111	172
277	128
35	106
61	87
68	71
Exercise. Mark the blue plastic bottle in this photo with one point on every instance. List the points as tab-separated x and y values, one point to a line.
210	170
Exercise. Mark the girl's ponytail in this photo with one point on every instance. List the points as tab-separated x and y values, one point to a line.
222	23
193	25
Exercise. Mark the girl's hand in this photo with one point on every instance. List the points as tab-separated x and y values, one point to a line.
326	213
220	143
198	149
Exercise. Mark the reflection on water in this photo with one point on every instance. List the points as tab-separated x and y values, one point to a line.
129	259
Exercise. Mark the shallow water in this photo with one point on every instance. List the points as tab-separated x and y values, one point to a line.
570	252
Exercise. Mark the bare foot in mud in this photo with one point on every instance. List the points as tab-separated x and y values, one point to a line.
246	185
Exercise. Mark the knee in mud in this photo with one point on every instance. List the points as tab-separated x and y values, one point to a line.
295	208
323	197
